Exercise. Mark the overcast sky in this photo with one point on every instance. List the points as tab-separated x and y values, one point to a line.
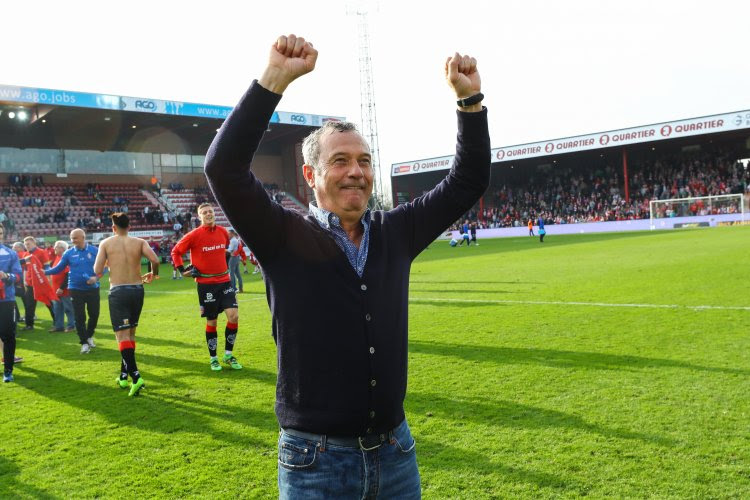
549	69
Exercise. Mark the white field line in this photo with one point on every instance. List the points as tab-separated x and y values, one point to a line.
572	303
521	302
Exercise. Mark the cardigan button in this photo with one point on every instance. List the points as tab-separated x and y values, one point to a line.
372	350
363	287
368	317
372	414
373	382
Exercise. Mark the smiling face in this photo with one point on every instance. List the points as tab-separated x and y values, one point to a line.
206	215
342	181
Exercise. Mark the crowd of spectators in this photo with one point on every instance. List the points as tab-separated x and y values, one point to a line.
568	195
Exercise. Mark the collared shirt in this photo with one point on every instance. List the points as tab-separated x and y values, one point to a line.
330	221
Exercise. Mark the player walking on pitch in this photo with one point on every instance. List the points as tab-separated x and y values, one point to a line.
122	253
207	245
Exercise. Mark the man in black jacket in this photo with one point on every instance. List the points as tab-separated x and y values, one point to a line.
337	282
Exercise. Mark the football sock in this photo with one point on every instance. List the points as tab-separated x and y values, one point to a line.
127	351
123	370
211	340
230	335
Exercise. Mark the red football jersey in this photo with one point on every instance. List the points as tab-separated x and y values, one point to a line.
207	247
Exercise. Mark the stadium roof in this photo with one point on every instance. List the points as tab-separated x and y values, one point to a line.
47	118
714	124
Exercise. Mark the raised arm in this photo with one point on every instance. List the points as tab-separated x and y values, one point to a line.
239	193
470	173
290	57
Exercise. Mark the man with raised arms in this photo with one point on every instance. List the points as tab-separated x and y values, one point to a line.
337	280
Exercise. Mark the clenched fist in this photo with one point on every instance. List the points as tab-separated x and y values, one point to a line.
290	57
463	77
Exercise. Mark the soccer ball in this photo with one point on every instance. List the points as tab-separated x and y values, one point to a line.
453	242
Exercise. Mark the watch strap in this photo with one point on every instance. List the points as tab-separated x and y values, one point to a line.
470	101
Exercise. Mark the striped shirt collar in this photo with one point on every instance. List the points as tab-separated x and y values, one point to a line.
328	219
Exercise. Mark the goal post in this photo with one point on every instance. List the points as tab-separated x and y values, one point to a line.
697	205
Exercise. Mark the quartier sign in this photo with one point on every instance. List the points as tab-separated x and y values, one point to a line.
647	133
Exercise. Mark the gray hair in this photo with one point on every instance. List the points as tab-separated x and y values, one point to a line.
62	243
311	144
18	244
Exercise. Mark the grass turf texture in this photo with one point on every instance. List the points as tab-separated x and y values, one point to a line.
526	380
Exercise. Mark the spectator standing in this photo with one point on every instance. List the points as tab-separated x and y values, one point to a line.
64	307
83	284
233	251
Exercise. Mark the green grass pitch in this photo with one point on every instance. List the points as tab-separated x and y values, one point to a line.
614	365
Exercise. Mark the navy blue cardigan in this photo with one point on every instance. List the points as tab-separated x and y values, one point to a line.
341	339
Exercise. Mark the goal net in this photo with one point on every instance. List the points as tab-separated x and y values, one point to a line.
699	205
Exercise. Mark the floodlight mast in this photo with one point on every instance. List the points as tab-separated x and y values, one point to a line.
368	114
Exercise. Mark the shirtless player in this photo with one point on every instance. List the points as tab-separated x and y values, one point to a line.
122	254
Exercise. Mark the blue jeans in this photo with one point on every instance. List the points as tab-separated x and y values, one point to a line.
308	471
60	307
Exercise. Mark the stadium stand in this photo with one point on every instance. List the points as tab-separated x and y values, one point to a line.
587	192
186	201
55	209
285	199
